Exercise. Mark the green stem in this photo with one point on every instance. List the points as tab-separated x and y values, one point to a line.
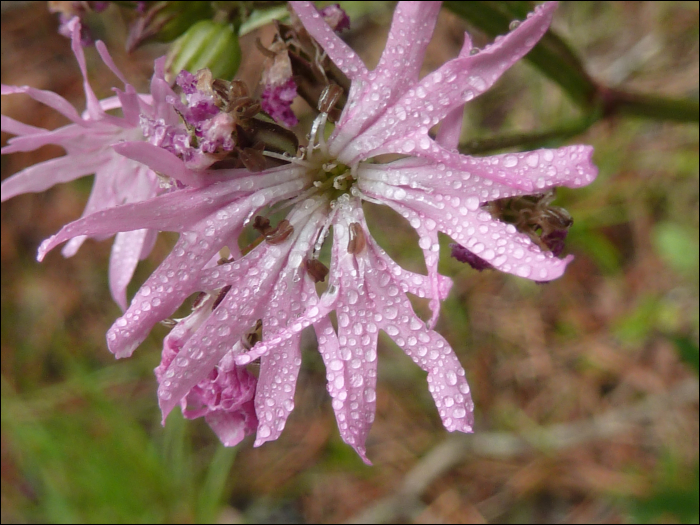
553	56
526	140
618	102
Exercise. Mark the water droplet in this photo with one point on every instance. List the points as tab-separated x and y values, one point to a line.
523	270
451	378
510	161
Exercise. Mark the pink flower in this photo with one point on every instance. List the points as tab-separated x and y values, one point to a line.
225	396
88	142
388	110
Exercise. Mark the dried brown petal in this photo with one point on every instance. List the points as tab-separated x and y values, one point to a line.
252	159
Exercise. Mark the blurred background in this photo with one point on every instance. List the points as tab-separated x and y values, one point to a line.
586	389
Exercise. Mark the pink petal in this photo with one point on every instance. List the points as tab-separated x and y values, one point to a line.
398	68
15	127
160	161
337	374
339	52
432	353
107	59
229	427
494	241
451	127
125	255
48	98
274	397
42	176
325	305
170	284
66	136
175	211
456	82
93	105
235	315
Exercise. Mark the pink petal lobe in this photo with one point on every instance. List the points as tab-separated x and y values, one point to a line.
456	82
340	53
15	127
494	241
93	105
274	397
48	98
336	372
159	160
125	255
44	175
398	68
173	281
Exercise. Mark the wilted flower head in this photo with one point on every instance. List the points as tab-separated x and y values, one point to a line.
272	284
88	143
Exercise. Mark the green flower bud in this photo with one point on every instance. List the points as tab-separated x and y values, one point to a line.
206	44
165	21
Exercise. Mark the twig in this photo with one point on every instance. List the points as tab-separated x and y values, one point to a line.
504	445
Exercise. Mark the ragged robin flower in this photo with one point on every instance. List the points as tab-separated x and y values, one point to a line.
88	143
269	287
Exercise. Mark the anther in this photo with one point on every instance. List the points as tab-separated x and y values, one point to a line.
357	242
316	269
221	296
281	233
199	300
248	340
330	95
253	159
262	224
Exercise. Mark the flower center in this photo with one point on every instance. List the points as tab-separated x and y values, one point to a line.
330	175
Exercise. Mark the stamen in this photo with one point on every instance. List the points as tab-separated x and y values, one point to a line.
357	241
316	269
329	97
324	231
281	233
262	224
253	336
319	126
287	158
199	300
221	296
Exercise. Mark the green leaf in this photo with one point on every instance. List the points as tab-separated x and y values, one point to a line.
678	246
688	352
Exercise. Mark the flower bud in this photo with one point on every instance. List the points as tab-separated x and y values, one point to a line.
165	21
209	45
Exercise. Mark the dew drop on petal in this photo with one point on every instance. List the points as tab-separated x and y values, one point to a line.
510	161
523	270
